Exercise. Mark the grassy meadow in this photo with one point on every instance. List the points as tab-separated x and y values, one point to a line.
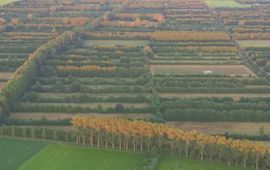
13	153
3	2
56	156
225	4
169	163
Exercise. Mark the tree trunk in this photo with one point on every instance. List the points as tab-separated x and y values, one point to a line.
113	142
91	140
187	149
257	161
120	144
134	145
236	158
172	148
83	139
98	140
141	144
126	143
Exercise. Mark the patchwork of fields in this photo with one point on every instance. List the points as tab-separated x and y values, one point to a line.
192	61
193	64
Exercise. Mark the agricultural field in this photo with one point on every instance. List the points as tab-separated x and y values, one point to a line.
106	82
3	2
200	84
257	54
254	43
25	26
179	164
223	127
174	64
71	157
15	152
199	65
226	4
232	70
113	43
41	155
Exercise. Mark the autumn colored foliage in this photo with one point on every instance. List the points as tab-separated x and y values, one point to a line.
144	136
190	36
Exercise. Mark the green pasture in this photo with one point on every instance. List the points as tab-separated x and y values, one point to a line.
57	156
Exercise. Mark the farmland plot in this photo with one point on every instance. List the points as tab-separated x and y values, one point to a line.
71	157
92	78
179	164
113	43
254	43
233	70
221	128
15	152
226	4
25	26
3	2
205	91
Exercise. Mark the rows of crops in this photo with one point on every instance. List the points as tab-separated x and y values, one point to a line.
167	61
139	58
92	78
27	25
251	28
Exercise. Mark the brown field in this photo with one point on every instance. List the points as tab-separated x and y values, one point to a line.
182	62
254	43
57	116
222	127
97	94
1	84
5	75
235	96
91	105
199	69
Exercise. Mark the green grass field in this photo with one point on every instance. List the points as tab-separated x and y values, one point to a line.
185	164
3	2
225	3
13	153
32	155
57	156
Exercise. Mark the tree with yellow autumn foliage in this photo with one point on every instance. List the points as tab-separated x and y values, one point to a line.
144	136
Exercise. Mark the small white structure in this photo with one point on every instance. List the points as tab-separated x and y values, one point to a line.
207	72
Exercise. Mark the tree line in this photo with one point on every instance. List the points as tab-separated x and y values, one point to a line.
159	138
26	73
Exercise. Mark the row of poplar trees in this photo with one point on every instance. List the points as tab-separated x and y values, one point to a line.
26	73
149	137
